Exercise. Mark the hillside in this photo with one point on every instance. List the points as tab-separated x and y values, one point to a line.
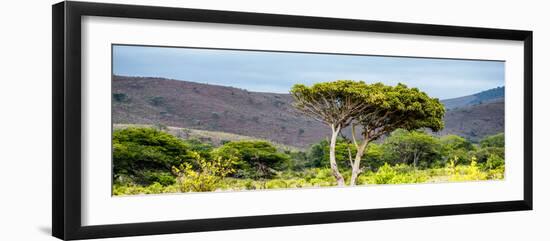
184	104
215	108
488	96
475	121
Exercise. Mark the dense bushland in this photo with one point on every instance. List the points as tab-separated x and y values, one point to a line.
149	160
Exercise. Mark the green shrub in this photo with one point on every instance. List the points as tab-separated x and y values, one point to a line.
415	148
163	178
398	174
319	154
137	150
374	157
157	101
254	159
208	175
202	147
249	185
322	178
494	162
493	141
455	147
298	183
495	174
297	162
483	154
120	97
155	188
148	160
276	183
470	172
384	175
495	167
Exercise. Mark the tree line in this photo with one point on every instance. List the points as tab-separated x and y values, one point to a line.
146	156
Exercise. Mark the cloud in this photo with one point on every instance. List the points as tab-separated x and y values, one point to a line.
277	72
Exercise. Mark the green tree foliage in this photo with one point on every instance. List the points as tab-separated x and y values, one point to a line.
376	108
490	146
456	147
255	159
392	108
483	154
375	156
318	155
456	142
149	160
494	162
138	150
399	107
334	104
163	178
202	148
298	160
493	141
413	147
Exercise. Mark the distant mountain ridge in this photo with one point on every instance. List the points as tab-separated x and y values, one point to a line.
185	104
488	96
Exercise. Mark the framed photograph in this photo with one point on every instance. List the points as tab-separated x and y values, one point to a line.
170	120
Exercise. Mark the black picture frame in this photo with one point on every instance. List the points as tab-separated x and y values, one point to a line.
66	127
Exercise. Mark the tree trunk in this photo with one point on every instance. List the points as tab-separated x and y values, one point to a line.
415	158
332	156
356	168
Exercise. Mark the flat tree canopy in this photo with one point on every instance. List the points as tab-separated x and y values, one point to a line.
400	107
333	103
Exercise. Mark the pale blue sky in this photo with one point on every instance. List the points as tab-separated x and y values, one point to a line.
276	72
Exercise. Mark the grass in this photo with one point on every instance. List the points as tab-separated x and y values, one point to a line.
322	177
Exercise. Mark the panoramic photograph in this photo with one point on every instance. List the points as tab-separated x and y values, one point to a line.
189	120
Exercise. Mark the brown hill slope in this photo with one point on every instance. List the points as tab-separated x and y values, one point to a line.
210	107
270	116
475	121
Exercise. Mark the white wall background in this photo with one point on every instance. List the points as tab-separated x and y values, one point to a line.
25	104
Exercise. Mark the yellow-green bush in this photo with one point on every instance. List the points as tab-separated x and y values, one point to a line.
398	174
314	177
207	177
276	183
132	189
471	172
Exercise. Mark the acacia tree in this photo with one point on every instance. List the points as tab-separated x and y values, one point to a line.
410	147
377	109
334	104
397	107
